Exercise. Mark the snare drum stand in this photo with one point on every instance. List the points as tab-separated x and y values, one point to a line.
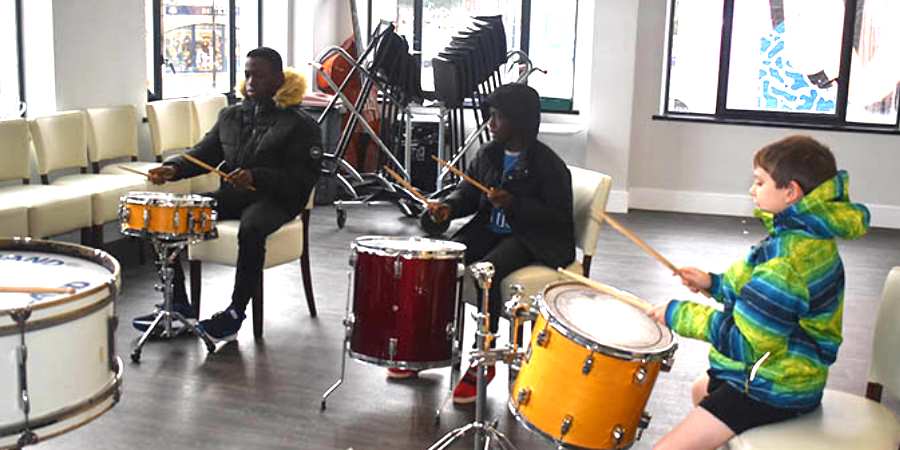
166	255
486	433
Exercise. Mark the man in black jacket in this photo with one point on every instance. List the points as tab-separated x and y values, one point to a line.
527	217
272	152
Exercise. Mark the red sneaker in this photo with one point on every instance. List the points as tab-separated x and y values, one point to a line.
467	389
401	374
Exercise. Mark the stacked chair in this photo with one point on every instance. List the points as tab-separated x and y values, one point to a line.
38	211
60	143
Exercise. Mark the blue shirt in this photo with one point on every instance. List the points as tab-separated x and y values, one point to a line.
498	223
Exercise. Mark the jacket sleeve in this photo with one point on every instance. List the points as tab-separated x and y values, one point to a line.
464	199
764	315
300	171
209	150
552	205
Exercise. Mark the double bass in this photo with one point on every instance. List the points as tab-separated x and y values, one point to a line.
362	152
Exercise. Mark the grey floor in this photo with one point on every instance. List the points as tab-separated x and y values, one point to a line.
265	394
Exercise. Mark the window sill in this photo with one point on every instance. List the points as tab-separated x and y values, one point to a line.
872	129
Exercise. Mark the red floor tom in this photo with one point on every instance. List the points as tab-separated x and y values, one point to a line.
405	304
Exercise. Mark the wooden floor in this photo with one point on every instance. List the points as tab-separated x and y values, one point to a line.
265	394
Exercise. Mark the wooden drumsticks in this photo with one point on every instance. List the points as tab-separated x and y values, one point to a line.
601	217
406	185
35	290
462	175
626	297
136	172
210	168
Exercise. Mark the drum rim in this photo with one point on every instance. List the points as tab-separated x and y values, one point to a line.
94	255
359	246
525	423
408	365
156	198
112	388
583	341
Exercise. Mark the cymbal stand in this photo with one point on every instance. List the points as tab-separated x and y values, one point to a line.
167	255
486	433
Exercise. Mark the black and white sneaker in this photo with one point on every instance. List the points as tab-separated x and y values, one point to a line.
141	323
223	326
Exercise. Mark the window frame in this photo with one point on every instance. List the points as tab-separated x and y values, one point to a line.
524	42
836	121
158	90
20	54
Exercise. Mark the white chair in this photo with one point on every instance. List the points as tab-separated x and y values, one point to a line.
60	142
112	135
49	210
590	191
846	420
286	244
172	130
205	112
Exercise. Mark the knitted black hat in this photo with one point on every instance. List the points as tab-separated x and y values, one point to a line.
521	104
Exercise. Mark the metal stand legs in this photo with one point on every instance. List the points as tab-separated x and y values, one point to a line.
166	254
486	434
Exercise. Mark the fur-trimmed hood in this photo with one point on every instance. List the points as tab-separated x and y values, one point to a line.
290	93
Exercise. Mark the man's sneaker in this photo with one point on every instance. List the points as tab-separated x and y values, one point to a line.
401	374
467	389
141	323
222	326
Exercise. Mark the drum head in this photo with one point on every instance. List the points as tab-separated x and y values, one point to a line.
411	247
596	319
167	199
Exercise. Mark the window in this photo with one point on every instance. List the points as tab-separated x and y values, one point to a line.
198	45
543	30
829	62
11	95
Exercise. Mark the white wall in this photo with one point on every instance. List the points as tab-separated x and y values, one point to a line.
706	168
40	78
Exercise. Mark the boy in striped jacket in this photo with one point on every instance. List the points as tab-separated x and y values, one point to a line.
780	326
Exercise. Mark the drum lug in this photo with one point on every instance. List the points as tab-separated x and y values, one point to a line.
566	425
176	221
666	364
523	396
640	376
460	270
398	268
451	330
542	338
124	213
349	322
146	219
352	260
643	424
191	225
618	433
392	348
588	364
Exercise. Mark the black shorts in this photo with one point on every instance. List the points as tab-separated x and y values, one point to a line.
740	412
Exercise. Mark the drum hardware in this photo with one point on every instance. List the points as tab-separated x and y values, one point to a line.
588	364
542	338
640	375
176	221
166	255
522	396
485	432
643	424
20	317
667	363
146	219
418	283
618	433
566	425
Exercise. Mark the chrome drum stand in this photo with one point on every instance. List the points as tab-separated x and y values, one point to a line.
167	255
486	433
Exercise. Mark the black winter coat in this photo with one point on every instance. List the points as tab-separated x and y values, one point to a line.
282	147
540	214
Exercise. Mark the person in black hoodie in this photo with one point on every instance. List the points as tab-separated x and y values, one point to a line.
272	151
527	217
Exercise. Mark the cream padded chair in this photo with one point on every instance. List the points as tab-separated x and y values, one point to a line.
60	142
50	210
172	130
112	134
846	420
204	113
590	191
286	244
13	220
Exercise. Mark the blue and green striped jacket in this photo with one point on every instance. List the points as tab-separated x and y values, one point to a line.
783	304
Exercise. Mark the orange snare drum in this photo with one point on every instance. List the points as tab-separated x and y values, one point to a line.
589	371
168	216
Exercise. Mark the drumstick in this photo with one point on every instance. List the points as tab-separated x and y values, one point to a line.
210	168
462	175
640	243
631	299
36	290
406	185
137	172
